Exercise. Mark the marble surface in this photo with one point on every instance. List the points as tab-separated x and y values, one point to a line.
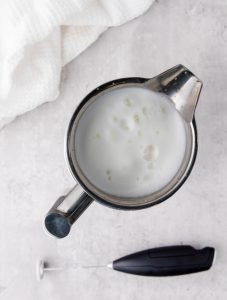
33	171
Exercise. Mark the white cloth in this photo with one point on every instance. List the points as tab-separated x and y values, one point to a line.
38	37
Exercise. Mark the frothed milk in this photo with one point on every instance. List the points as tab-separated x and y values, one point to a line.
130	142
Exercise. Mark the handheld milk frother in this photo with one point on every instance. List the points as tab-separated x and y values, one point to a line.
163	261
182	88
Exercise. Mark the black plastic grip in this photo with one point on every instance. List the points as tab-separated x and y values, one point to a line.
166	261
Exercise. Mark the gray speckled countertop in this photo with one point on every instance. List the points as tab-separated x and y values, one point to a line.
33	171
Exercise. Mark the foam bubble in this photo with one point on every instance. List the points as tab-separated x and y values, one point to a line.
151	152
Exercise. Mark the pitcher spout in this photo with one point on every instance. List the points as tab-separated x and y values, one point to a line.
181	86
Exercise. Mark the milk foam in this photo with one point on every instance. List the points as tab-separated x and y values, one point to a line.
130	142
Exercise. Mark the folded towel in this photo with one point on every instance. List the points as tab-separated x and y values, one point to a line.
38	37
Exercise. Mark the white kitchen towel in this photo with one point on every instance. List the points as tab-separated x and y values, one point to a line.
38	37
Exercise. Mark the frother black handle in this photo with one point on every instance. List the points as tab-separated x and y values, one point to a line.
166	261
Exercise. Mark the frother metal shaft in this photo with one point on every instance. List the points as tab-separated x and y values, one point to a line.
42	268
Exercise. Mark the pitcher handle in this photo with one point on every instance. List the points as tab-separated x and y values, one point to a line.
65	211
